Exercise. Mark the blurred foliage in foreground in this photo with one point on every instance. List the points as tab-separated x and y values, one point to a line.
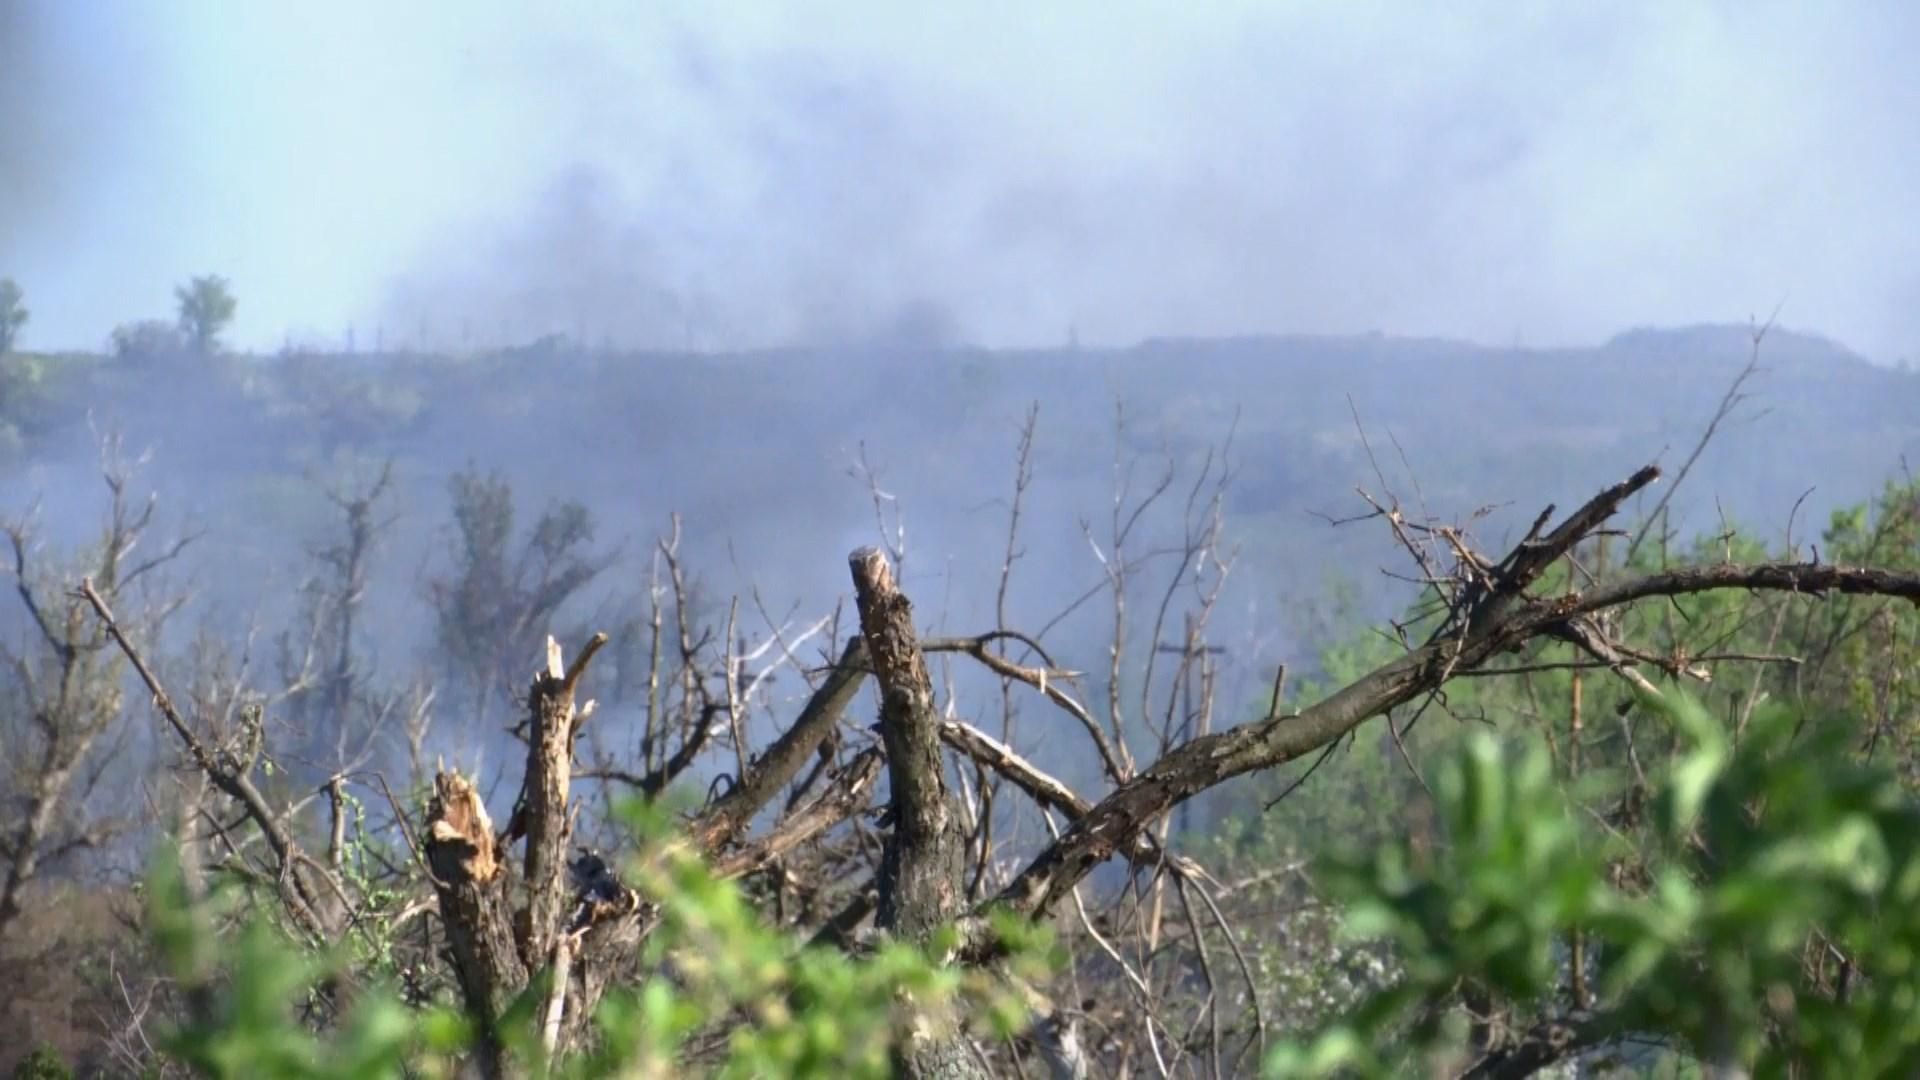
1763	860
1759	860
808	1010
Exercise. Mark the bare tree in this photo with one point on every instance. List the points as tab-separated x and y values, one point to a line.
496	603
64	727
334	702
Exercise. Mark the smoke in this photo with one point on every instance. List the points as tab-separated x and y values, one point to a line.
736	181
802	206
40	145
719	176
76	88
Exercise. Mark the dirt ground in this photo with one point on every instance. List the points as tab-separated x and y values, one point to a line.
61	976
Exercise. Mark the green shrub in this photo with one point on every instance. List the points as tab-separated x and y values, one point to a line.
1755	860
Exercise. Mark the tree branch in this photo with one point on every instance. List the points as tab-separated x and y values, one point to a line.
845	795
1495	622
720	823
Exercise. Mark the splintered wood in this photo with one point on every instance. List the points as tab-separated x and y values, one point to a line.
459	824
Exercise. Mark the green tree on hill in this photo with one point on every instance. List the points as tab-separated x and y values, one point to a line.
206	308
13	314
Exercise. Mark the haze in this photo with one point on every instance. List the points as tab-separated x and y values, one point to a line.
727	176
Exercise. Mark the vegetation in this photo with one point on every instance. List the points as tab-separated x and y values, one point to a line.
13	314
206	307
1609	796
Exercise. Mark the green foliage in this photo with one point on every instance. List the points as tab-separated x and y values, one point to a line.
496	605
44	1063
1873	643
13	314
779	1008
247	994
812	1012
37	396
1757	858
1847	672
205	306
147	339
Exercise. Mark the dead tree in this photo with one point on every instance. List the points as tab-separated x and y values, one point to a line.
68	680
316	901
509	920
325	661
920	888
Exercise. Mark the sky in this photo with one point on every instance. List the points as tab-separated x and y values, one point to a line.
750	174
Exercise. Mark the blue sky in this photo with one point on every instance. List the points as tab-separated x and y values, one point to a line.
746	174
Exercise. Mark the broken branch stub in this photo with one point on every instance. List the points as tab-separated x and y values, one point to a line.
466	867
460	834
497	946
920	873
545	796
920	867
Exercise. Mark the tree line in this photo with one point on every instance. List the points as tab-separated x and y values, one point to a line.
204	307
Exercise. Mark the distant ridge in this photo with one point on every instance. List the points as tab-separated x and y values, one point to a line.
1719	341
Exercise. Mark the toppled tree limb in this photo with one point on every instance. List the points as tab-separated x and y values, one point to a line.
231	777
1485	622
1044	679
720	823
1043	788
1053	794
1810	578
845	795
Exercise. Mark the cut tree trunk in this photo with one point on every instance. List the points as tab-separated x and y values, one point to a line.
920	870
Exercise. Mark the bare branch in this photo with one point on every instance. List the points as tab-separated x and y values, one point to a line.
845	795
1488	625
719	823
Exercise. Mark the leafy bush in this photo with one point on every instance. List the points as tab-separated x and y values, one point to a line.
42	1064
1763	914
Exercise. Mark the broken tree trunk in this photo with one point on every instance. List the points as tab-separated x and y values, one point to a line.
920	871
468	877
545	803
505	928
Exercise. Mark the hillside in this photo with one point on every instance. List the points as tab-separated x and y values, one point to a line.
760	453
754	450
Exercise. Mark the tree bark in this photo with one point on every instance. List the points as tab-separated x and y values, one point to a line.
497	946
728	817
920	869
469	879
548	808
